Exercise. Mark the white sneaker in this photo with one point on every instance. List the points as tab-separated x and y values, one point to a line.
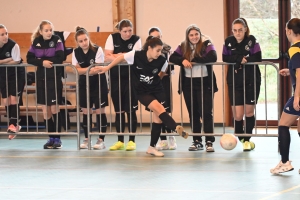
282	167
154	152
85	144
99	144
172	142
162	145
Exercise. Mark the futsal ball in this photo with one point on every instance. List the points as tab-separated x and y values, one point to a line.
228	141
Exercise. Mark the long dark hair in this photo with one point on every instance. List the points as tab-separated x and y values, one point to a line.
294	25
82	31
243	22
152	42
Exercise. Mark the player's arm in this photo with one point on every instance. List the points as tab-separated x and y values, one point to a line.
127	57
297	91
163	73
15	56
5	61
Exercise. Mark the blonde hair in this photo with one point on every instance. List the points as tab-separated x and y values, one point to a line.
36	33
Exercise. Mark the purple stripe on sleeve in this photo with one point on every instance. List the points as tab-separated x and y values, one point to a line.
178	50
40	53
226	51
255	49
59	47
208	49
32	50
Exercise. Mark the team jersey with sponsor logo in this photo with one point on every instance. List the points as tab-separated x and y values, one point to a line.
144	73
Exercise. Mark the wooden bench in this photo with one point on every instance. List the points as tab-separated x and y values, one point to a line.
24	110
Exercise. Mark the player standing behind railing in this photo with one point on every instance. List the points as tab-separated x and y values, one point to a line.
163	144
148	67
47	49
197	48
83	56
240	49
116	45
10	55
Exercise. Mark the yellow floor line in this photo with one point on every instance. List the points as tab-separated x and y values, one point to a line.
281	192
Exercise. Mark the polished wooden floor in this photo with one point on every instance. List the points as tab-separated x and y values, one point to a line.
29	172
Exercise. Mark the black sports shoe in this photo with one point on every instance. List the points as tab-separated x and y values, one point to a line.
196	146
209	147
57	143
49	144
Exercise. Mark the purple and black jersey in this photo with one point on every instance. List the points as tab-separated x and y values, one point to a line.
234	52
51	50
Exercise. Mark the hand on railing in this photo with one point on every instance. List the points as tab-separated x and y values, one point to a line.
187	64
284	72
47	64
101	69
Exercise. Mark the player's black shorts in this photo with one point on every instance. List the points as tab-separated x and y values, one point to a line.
146	99
11	87
98	97
251	99
167	87
46	93
9	84
123	97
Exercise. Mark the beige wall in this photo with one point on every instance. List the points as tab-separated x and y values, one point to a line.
22	16
172	16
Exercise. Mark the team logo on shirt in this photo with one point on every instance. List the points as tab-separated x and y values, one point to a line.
146	79
154	71
92	61
130	46
7	54
38	45
229	45
247	48
250	43
51	44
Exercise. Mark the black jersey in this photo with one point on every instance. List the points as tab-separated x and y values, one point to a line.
84	60
122	46
6	52
51	50
294	62
145	74
234	52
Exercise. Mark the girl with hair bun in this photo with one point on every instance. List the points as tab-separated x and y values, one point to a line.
83	56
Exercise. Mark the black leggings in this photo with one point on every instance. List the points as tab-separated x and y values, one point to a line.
195	111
